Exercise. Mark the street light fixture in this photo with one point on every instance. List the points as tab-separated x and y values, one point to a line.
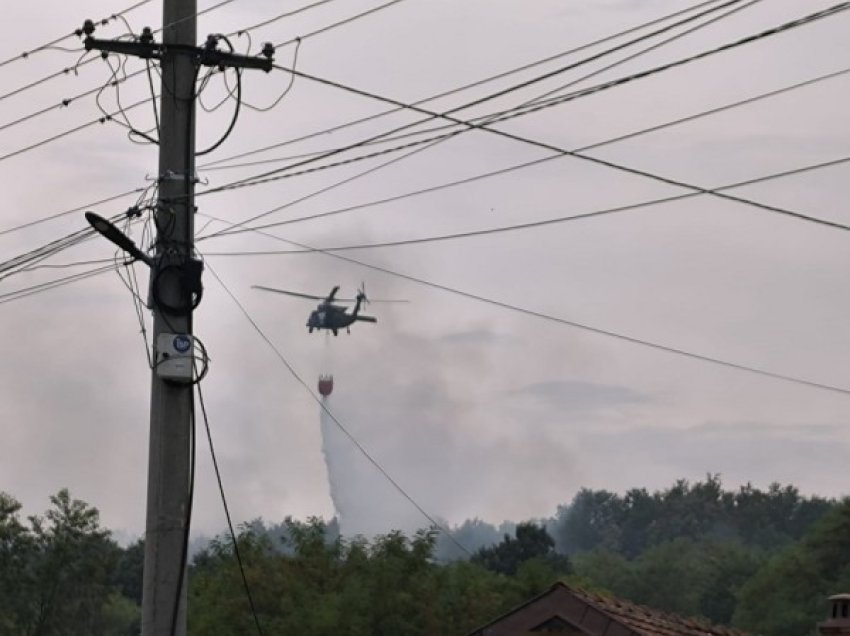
113	234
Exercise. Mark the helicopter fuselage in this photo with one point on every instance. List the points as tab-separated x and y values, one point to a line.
333	317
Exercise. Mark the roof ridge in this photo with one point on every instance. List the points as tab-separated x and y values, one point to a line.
604	603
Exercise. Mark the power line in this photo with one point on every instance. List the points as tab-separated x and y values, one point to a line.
96	261
653	47
553	221
132	285
73	69
218	5
227	510
106	116
334	418
64	103
281	16
551	147
43	80
560	71
340	23
330	187
14	264
466	86
245	228
563	321
240	228
28	261
714	110
64	213
110	116
688	118
438	139
101	120
51	44
59	282
351	160
511	72
720	109
271	175
115	82
187	520
67	101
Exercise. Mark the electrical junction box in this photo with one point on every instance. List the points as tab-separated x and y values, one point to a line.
175	357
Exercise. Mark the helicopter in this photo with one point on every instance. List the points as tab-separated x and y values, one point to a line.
330	315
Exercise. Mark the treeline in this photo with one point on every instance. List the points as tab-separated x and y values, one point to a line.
632	523
759	560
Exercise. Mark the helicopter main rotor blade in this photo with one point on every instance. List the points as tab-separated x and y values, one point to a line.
288	293
352	300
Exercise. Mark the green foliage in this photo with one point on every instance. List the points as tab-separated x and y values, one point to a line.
127	575
683	576
121	616
635	522
531	542
17	550
55	573
593	520
390	585
786	597
763	560
606	570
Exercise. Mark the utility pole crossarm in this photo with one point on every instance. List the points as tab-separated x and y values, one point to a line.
207	55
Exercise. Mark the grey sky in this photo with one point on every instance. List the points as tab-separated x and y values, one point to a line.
476	410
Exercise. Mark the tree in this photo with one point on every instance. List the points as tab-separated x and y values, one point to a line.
693	578
391	585
786	597
592	520
605	570
17	548
74	558
728	566
691	511
776	517
472	534
531	542
127	575
56	574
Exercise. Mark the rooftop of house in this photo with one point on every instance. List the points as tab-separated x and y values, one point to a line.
567	610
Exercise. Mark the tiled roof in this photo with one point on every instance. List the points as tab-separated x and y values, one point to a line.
650	622
592	614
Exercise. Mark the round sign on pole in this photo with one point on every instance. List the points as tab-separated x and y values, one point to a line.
182	343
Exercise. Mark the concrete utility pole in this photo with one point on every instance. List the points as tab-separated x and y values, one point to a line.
175	292
165	581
